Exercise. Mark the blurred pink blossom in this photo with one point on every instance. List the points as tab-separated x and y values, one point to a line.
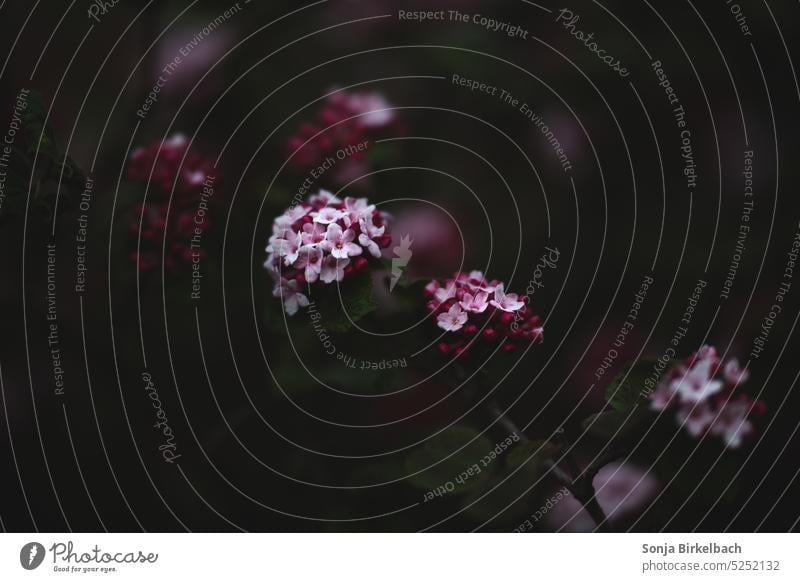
622	491
438	248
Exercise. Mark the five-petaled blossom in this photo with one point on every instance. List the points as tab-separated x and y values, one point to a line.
322	240
453	319
479	311
700	391
291	296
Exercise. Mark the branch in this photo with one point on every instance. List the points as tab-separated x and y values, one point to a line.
583	490
581	486
604	458
506	422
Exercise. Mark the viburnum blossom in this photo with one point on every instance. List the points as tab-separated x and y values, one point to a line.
476	303
453	319
289	293
164	161
507	302
340	242
322	240
369	234
478	311
700	391
192	180
622	491
345	119
437	242
155	232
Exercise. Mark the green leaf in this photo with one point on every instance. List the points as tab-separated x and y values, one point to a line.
37	139
530	455
458	472
504	498
38	135
627	389
344	304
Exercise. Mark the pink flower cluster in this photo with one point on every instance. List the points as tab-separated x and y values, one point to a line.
700	390
189	178
475	309
324	240
345	119
165	163
154	230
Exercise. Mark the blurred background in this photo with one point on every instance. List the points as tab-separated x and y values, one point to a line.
272	432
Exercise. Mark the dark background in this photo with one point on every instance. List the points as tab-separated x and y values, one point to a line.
255	454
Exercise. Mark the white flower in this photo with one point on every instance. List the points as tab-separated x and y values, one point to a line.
476	281
731	423
489	287
286	248
370	245
476	304
706	353
333	269
506	301
376	110
662	396
473	277
280	229
310	259
313	233
290	295
453	320
369	232
292	215
323	198
176	141
271	266
442	294
195	178
369	228
697	384
734	374
356	209
282	233
696	418
432	287
327	215
340	243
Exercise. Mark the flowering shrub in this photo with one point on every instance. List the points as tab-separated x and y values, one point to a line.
699	390
472	309
344	120
191	181
165	163
322	241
